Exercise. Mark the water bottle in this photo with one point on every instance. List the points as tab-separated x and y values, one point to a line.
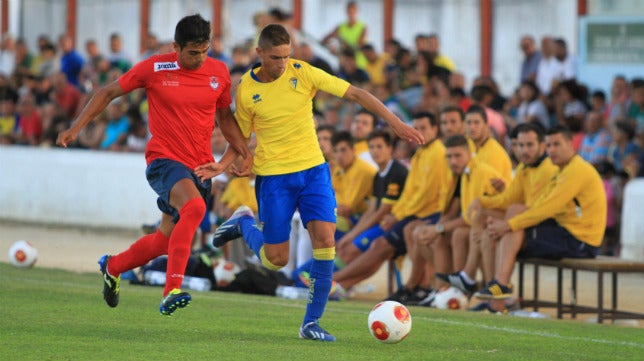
292	293
154	278
196	283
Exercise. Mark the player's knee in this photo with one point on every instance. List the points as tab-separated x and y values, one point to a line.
193	209
514	209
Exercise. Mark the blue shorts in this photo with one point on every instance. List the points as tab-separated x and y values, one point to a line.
364	239
278	196
163	174
550	240
396	238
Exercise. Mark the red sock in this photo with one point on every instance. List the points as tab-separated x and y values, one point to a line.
180	243
140	253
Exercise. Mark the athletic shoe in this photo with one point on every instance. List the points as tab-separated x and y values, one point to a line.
487	308
231	229
402	295
417	295
494	291
175	299
110	284
455	279
429	299
313	331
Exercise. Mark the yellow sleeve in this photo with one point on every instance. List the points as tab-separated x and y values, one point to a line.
514	193
243	116
564	190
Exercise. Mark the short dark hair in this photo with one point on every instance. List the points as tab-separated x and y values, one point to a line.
537	128
457	141
560	129
625	127
341	136
381	133
374	119
192	29
454	108
326	127
428	115
477	109
273	35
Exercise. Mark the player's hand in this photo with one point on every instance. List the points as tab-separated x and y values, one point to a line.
243	168
497	227
425	234
209	170
387	222
404	131
498	184
66	137
474	209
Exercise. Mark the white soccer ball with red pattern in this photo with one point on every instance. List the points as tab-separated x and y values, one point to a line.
389	322
23	254
225	272
451	299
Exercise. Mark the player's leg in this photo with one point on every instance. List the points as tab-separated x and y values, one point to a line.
316	204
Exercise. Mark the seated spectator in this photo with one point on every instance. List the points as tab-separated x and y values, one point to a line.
622	148
569	221
30	126
594	145
530	182
8	116
363	123
375	64
617	106
636	110
117	126
531	108
418	202
65	94
355	180
569	102
449	237
349	69
482	95
388	185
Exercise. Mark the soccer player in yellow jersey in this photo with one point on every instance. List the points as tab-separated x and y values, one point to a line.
274	100
530	182
568	221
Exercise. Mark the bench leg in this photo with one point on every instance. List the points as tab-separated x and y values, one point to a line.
614	296
600	297
573	300
559	291
520	290
535	289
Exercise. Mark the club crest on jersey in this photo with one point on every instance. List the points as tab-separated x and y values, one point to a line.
214	84
293	82
168	65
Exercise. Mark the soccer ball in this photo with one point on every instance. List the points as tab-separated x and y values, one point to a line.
225	272
389	322
451	299
23	254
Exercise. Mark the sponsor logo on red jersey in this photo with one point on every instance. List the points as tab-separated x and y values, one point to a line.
168	65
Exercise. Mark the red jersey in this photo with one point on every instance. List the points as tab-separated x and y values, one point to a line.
182	105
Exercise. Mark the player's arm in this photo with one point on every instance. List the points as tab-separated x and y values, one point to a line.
232	133
372	104
94	107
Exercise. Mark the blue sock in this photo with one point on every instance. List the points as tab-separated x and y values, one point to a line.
252	235
321	273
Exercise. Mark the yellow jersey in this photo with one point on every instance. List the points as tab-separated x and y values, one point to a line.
529	183
280	114
493	154
240	191
476	183
421	195
576	199
356	185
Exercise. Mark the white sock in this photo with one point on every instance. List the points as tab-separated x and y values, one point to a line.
467	278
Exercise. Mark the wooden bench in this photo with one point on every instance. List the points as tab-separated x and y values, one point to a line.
600	265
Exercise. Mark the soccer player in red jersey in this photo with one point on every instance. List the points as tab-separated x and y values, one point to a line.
185	90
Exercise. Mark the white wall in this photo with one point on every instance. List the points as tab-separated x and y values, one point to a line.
632	232
75	187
